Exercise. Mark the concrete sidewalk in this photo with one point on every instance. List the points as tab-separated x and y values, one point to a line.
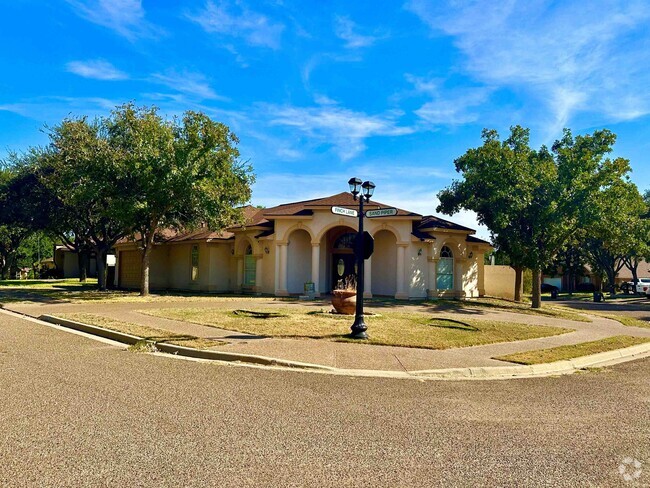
346	355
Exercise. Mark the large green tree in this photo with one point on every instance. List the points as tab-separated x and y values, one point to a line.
535	202
182	173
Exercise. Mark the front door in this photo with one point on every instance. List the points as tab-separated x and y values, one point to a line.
343	265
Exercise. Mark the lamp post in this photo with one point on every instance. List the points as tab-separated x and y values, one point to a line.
366	189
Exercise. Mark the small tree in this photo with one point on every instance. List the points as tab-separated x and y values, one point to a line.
181	173
85	177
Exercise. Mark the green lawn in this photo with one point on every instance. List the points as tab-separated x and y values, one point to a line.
407	329
148	333
47	284
573	351
498	304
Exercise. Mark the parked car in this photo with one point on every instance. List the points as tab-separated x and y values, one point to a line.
643	286
548	288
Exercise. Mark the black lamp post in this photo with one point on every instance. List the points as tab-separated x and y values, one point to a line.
367	189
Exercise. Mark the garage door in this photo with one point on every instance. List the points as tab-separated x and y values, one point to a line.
130	265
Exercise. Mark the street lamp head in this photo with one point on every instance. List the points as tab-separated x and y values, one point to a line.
368	189
355	186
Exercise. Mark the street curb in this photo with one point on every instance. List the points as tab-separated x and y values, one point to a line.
472	373
179	350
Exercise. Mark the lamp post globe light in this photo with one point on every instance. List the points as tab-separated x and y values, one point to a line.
361	191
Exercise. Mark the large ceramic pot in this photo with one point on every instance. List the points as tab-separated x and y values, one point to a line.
344	301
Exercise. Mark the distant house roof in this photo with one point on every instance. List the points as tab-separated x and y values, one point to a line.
433	222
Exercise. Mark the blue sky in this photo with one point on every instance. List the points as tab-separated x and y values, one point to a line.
322	91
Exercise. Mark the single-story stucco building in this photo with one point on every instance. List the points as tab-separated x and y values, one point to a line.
282	248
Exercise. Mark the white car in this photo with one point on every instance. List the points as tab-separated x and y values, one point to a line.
643	286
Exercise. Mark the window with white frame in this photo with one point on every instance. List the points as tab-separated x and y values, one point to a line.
249	267
445	270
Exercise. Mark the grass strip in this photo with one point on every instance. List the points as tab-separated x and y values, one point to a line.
572	351
624	319
148	333
405	329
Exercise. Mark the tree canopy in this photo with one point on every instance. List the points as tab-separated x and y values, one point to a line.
536	202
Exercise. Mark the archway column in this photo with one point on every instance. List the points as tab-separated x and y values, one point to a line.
401	294
459	271
258	273
281	269
367	278
240	274
315	267
433	277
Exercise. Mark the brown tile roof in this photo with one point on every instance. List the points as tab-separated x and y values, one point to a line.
433	222
343	199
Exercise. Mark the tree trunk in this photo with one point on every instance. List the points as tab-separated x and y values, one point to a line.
635	274
146	253
611	278
83	265
518	283
100	258
537	288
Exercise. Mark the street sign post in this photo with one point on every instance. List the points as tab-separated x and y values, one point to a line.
382	212
348	212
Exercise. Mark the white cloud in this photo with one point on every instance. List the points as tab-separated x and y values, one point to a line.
574	57
193	84
126	17
343	128
346	30
97	69
234	19
54	109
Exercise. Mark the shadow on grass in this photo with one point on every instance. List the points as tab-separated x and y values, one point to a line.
453	324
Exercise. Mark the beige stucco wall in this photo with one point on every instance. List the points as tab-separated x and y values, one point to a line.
499	281
402	265
384	264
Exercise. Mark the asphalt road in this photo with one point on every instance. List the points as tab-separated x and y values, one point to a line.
76	412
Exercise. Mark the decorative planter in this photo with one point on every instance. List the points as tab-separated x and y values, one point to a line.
344	301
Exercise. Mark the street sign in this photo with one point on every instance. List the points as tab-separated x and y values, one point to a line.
368	245
382	212
348	212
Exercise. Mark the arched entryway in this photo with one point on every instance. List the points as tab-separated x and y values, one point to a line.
338	263
384	264
299	259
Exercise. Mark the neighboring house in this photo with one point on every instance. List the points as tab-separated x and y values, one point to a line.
66	261
587	276
282	248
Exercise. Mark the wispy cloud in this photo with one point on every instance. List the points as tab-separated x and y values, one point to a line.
192	84
347	30
126	17
449	106
333	125
575	58
49	109
97	69
235	19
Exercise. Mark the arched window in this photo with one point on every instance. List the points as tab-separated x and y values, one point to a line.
346	241
445	270
249	267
